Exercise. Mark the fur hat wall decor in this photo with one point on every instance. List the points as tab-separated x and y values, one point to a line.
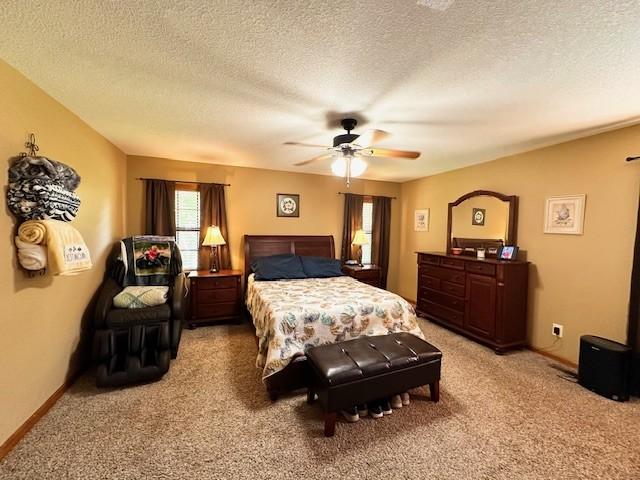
41	188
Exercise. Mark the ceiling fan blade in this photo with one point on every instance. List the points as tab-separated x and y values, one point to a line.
299	144
385	152
370	137
326	156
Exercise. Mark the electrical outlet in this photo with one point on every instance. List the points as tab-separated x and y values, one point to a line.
556	330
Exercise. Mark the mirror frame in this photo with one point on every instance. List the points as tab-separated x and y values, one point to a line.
513	214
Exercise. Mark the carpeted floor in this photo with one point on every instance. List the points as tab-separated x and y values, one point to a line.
500	417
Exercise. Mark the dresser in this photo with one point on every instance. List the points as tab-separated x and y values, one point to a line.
485	300
214	297
370	274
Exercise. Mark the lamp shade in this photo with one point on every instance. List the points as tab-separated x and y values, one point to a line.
360	238
339	166
213	237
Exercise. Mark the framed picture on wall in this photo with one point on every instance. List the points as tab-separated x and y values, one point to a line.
421	220
565	215
478	216
287	205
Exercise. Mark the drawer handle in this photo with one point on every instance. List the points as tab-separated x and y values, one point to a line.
501	284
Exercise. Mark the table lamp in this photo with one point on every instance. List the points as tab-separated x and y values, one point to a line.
212	239
359	239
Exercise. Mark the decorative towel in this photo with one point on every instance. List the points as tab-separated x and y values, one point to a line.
67	254
141	297
149	260
31	255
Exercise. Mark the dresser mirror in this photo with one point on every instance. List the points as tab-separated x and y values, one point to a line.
482	220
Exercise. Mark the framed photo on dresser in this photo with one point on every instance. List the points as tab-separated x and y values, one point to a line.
507	252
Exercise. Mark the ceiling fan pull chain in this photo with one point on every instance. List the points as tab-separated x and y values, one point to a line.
348	172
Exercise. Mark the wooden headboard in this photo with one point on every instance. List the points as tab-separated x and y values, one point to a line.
264	245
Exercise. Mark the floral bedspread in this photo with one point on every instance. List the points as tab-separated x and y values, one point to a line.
291	316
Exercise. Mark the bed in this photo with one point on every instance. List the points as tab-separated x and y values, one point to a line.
290	316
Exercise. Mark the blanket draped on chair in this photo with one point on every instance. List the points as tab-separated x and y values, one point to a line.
147	260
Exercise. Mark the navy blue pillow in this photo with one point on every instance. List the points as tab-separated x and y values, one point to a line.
321	267
278	267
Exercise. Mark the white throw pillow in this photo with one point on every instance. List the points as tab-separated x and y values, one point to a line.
141	297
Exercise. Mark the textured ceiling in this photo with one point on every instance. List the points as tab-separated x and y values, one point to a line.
229	82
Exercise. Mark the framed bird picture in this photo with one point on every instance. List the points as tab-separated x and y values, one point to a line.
565	215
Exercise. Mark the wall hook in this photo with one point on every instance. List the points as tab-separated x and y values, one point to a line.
31	146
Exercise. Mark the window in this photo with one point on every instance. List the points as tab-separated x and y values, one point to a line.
367	226
188	226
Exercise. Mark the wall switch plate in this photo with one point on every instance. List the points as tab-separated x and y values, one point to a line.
557	330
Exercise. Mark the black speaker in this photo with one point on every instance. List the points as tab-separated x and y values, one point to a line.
605	367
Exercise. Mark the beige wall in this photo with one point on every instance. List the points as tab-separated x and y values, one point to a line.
40	324
251	201
581	281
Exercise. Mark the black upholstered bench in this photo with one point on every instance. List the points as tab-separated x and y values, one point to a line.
369	368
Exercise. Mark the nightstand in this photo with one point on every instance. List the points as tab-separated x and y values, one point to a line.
370	274
214	296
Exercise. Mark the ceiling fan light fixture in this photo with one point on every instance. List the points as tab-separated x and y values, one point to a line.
358	166
340	164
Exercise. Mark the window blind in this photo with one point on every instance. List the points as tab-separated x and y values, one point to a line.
188	227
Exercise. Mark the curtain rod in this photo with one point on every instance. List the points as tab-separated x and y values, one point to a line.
183	181
363	195
631	159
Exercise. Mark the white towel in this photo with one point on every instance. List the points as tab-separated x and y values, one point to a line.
31	255
67	254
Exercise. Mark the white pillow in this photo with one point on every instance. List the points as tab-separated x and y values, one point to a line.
141	297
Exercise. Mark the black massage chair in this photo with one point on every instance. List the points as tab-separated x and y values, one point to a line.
135	345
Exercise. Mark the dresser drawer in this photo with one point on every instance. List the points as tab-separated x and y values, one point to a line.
365	275
430	259
217	295
454	276
481	268
452	263
455	289
429	282
443	313
211	283
211	310
455	303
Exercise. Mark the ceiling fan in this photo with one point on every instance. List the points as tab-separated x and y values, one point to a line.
349	148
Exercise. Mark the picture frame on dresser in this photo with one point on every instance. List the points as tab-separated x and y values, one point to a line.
508	252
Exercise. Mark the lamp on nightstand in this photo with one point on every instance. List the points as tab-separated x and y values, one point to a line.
359	239
212	239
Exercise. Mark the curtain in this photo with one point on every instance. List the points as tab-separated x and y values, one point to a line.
633	328
160	207
352	222
213	211
381	234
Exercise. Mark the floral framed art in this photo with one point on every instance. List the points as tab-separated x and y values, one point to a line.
288	205
565	215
